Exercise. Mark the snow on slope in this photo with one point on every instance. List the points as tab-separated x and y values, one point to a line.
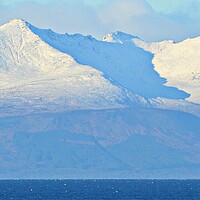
129	65
35	76
178	63
38	72
124	38
119	37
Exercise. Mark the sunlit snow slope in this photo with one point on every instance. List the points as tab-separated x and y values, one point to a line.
180	64
177	62
35	76
129	65
45	71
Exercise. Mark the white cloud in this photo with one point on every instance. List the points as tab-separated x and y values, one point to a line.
133	16
117	11
139	18
62	17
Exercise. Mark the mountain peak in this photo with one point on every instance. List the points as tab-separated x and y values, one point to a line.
31	70
15	24
17	20
119	37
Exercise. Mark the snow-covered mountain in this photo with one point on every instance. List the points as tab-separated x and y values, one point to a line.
72	106
37	77
177	62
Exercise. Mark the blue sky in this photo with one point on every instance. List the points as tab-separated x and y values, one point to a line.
149	19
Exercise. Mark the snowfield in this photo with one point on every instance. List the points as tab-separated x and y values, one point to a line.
35	76
177	62
44	71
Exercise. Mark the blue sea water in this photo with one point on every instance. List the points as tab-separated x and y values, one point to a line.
99	189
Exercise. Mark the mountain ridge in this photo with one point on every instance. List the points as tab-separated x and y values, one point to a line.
44	75
169	57
75	107
103	55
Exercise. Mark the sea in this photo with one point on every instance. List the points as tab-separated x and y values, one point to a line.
99	189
